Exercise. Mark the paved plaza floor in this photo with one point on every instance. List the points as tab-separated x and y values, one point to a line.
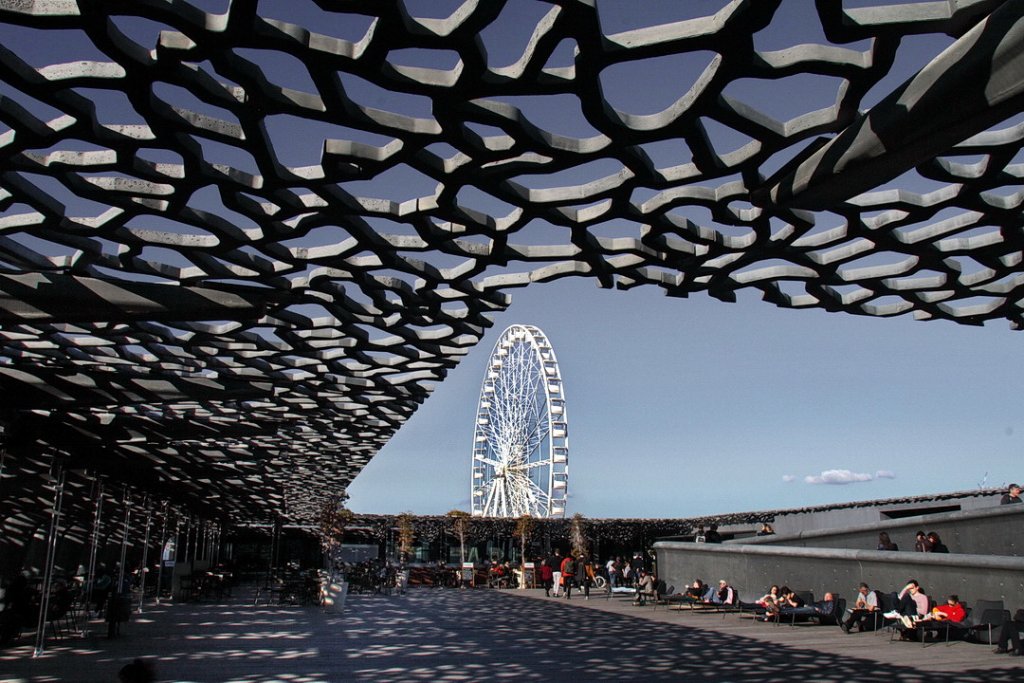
489	635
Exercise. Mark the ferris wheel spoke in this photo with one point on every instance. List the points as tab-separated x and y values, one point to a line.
539	497
536	445
490	496
536	464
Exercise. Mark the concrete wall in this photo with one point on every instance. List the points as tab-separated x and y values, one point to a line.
788	523
752	568
980	531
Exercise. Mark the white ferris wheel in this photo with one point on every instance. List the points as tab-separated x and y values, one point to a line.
521	440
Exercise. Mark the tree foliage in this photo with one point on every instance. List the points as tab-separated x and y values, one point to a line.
333	519
461	528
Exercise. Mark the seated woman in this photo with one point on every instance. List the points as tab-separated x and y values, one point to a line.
497	573
765	603
885	543
787	600
937	545
695	591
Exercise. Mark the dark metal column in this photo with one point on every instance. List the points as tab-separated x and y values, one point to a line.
160	555
143	569
94	539
124	540
58	474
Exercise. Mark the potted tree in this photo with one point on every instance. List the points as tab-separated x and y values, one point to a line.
460	527
524	528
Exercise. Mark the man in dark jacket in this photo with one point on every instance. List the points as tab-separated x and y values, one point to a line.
1012	495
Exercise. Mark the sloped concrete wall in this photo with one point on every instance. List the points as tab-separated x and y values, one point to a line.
873	512
984	531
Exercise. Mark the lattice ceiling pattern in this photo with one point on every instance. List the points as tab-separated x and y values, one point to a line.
186	298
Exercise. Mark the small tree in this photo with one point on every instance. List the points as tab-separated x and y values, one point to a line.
578	536
524	527
460	527
334	519
406	534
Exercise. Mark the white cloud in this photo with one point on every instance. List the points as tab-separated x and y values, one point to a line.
885	474
788	478
838	477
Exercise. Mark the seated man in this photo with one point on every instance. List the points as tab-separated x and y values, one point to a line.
937	621
911	601
953	610
1009	635
725	595
646	588
911	605
864	610
825	607
794	606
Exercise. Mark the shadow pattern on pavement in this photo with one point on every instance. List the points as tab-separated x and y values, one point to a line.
446	635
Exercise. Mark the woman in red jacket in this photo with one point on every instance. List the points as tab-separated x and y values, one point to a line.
547	575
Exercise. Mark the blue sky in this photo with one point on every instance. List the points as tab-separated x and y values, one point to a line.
681	407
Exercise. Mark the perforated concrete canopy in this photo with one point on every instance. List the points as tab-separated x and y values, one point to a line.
239	242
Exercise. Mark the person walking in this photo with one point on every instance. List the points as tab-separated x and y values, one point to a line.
568	572
546	577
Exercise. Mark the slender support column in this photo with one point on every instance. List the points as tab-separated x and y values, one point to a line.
94	540
163	545
216	545
143	569
124	540
275	541
57	472
188	537
3	456
197	542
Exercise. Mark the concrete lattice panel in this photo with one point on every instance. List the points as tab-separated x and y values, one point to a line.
185	305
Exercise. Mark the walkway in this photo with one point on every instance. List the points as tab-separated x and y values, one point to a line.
480	635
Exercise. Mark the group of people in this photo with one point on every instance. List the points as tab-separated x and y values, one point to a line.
559	574
923	542
783	601
565	573
910	609
501	575
913	610
625	572
699	592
